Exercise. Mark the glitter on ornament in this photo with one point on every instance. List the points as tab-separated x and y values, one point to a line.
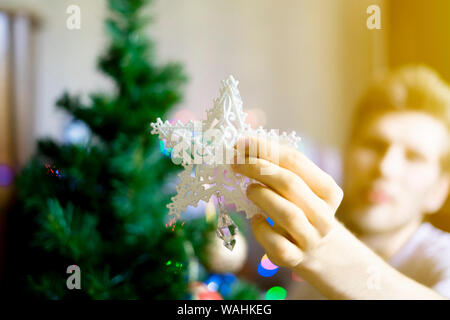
6	175
276	293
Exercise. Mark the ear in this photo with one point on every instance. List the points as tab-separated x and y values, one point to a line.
438	194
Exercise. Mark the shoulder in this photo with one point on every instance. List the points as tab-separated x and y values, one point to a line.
428	242
433	241
439	251
426	253
426	258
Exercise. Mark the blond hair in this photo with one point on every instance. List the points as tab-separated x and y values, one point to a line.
409	88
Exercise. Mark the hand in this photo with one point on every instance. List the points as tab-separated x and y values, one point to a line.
297	195
302	199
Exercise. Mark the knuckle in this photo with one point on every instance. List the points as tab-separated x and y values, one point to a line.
264	168
337	196
287	258
288	214
283	256
308	238
252	168
334	191
325	229
252	189
329	182
275	259
287	181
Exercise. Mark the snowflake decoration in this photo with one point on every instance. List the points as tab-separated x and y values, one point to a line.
200	147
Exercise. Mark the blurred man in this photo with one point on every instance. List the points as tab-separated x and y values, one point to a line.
396	172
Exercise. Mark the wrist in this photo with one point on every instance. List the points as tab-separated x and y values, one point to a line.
338	267
326	253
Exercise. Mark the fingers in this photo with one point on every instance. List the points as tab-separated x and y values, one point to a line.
285	214
290	186
280	250
318	181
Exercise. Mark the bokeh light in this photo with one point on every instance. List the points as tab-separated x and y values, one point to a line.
266	268
6	175
266	273
268	265
164	150
221	283
276	293
213	282
270	221
77	132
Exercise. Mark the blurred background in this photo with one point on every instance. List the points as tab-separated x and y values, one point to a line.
301	64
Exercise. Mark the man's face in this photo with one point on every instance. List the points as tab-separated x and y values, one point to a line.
391	169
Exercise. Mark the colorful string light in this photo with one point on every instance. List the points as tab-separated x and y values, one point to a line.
221	283
51	170
175	267
270	221
276	293
165	151
172	224
6	175
266	268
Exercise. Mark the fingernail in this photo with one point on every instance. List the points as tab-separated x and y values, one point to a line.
250	188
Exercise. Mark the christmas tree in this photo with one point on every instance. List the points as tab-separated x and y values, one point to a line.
101	205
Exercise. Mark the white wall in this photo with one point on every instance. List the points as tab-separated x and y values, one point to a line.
303	62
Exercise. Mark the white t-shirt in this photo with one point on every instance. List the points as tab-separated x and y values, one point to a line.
425	258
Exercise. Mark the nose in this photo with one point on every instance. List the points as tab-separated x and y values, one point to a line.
390	163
